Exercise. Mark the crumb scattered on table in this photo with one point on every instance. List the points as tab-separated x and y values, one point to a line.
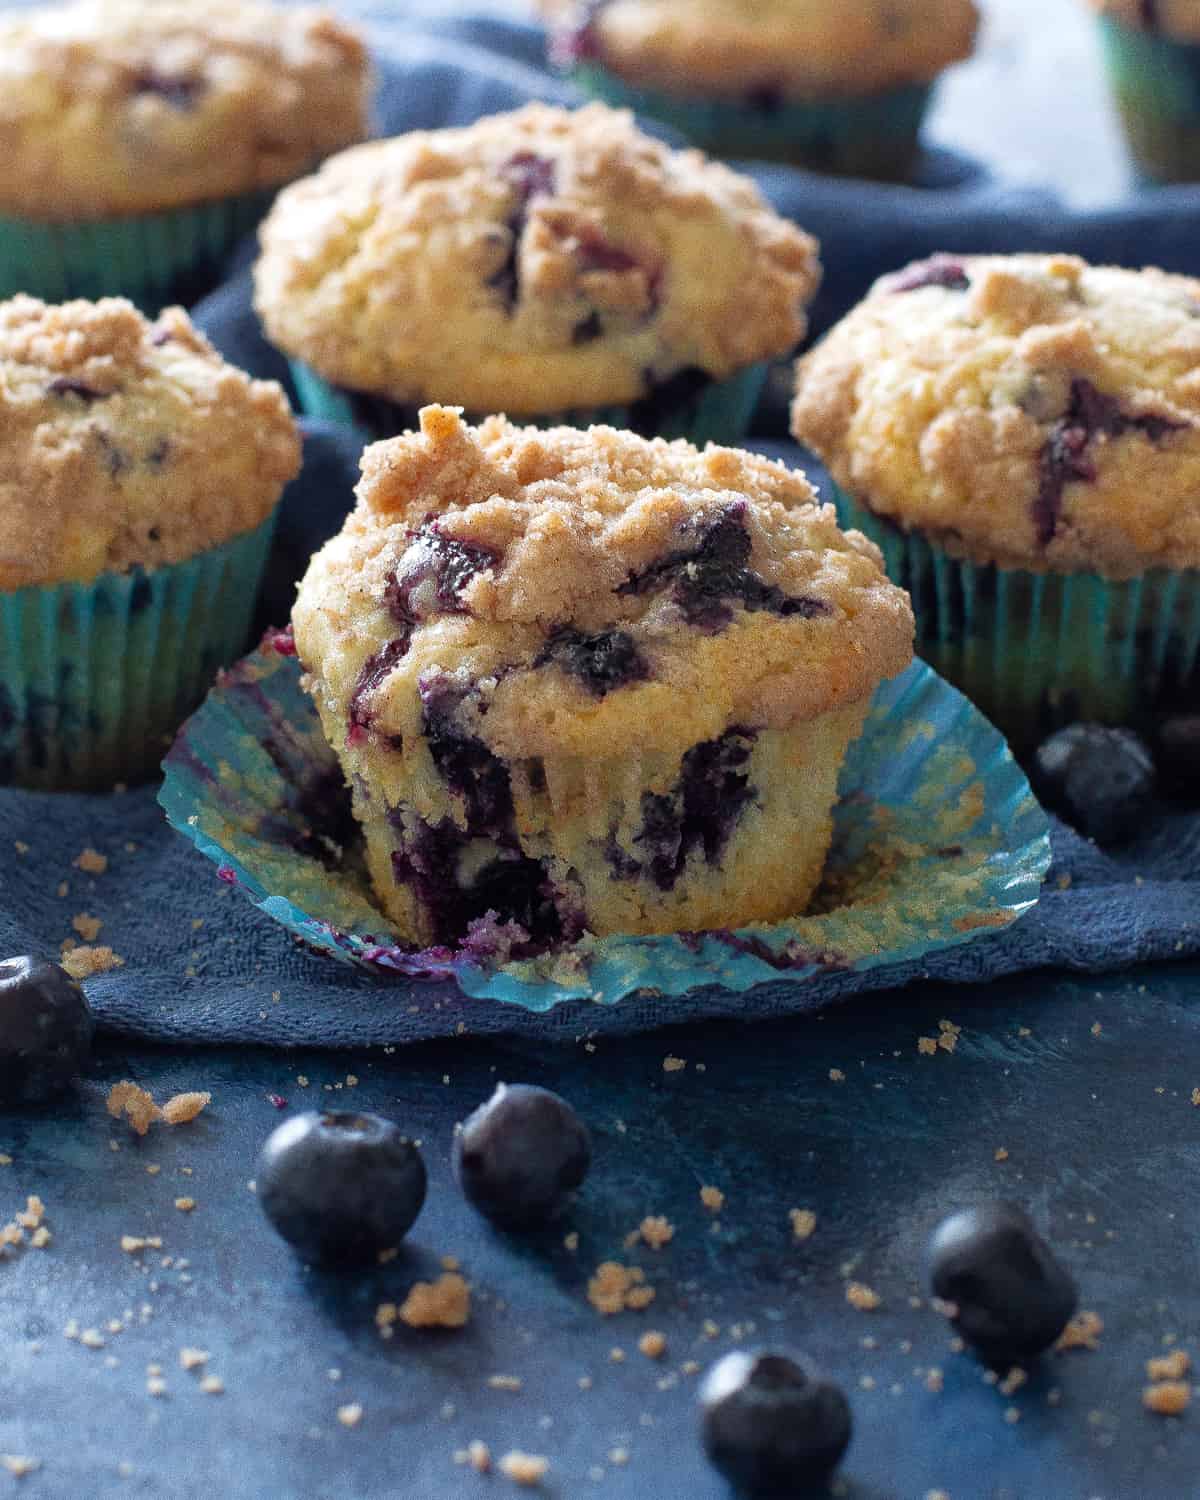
656	1231
653	1344
1082	1332
714	1199
524	1468
82	961
1168	1399
861	1297
350	1415
804	1222
615	1287
91	861
1173	1366
444	1303
674	1064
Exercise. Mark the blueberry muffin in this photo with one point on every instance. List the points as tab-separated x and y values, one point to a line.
542	263
1152	53
1021	436
141	137
588	681
836	88
139	475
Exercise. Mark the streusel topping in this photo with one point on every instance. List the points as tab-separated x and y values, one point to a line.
534	262
597	591
112	107
1029	410
801	48
127	443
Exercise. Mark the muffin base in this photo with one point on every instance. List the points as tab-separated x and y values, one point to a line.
1037	651
869	135
153	259
95	678
1155	81
714	411
735	832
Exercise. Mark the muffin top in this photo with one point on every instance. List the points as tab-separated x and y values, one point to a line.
111	107
1179	18
589	593
533	262
1029	410
127	443
760	49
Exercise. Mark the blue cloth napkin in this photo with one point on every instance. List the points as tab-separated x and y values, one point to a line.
200	965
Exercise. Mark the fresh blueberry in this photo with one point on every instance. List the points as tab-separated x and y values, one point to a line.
1011	1297
45	1030
519	1157
773	1425
340	1187
1179	755
1099	780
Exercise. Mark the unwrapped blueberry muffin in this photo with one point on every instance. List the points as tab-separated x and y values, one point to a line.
1152	53
141	137
542	263
835	87
1021	435
586	681
139	476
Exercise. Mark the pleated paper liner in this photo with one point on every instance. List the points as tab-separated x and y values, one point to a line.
153	259
937	840
1037	651
866	135
1155	80
711	411
96	678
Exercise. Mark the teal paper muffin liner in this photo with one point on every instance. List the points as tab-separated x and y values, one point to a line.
1155	81
718	413
867	135
1037	651
937	840
153	259
95	678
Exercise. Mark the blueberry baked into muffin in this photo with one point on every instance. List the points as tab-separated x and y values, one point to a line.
139	475
1021	436
586	681
1152	54
834	87
543	263
141	137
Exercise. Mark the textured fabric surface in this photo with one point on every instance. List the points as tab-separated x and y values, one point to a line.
201	965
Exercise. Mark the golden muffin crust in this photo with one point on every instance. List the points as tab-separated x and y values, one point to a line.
1031	411
111	107
534	262
125	442
797	48
1177	18
610	593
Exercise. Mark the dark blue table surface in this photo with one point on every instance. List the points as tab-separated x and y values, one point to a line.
1087	1085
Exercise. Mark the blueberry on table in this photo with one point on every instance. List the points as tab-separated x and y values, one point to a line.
45	1030
340	1188
773	1425
520	1156
1011	1297
1099	780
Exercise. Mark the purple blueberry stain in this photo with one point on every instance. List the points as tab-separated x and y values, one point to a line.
179	93
463	761
697	816
445	563
710	574
1065	457
374	670
530	176
600	662
63	385
939	270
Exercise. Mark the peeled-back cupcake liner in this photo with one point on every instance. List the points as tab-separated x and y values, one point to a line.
717	411
937	840
1155	81
153	259
95	678
865	135
1037	651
